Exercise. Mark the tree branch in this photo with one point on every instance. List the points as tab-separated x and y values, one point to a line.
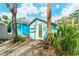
14	5
8	5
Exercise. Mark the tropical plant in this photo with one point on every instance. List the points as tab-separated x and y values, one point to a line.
64	41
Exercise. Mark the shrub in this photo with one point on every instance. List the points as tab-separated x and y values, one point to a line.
64	41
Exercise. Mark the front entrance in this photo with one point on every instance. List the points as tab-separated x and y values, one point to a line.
40	31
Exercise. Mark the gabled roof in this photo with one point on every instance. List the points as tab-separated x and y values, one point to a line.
41	21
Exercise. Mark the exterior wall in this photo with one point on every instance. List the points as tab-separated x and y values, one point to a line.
53	29
3	32
35	35
44	31
33	31
23	29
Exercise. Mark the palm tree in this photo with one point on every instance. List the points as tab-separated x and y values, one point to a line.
13	9
48	26
48	20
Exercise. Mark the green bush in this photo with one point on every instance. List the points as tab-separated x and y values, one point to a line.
64	41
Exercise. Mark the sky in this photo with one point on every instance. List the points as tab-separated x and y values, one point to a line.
39	10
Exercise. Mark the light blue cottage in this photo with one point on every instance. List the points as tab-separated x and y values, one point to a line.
38	29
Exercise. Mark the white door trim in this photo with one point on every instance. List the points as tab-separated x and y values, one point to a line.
38	32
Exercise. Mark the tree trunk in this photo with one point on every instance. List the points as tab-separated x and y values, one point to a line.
48	20
14	24
13	10
47	42
14	27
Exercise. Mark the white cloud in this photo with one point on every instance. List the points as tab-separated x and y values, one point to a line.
43	11
26	9
67	10
29	8
57	6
